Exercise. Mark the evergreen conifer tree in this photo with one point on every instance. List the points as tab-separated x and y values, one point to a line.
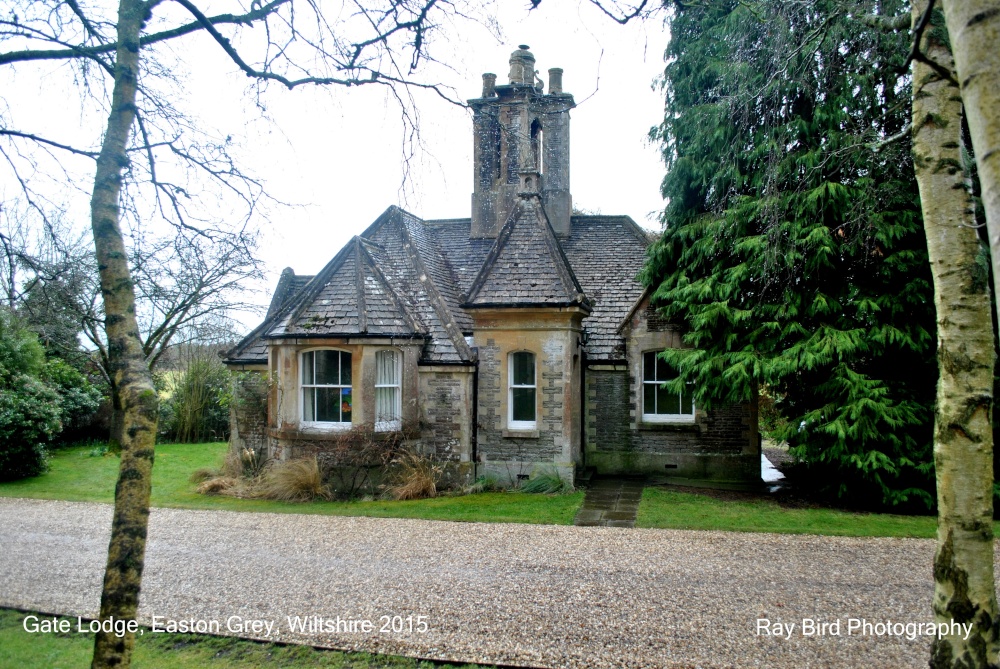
793	252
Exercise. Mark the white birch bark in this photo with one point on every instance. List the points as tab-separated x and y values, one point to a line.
963	431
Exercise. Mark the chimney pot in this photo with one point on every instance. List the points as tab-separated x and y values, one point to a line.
489	85
555	80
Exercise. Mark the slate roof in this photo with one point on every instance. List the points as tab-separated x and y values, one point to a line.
405	277
526	266
252	350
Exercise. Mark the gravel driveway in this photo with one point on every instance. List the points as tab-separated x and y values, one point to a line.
531	595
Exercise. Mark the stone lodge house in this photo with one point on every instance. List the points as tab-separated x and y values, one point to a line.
513	341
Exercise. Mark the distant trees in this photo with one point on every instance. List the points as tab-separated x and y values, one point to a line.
793	252
187	287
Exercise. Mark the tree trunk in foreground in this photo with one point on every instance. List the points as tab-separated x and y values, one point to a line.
126	551
963	437
974	30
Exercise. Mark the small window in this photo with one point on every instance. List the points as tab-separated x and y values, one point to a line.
388	398
658	403
326	387
522	391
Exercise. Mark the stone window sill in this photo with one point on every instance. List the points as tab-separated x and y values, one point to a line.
669	427
520	434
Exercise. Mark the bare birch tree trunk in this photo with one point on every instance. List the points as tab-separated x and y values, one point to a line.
126	551
963	437
974	30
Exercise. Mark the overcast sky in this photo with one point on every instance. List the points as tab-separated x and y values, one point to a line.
343	156
337	154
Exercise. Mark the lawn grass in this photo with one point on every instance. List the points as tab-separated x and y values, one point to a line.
41	650
76	475
690	511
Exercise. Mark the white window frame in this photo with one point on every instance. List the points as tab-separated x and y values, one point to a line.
521	424
395	423
660	417
304	388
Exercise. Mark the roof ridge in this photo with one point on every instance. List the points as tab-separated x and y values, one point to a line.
437	302
390	292
563	267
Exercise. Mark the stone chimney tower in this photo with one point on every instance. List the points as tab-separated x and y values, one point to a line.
516	128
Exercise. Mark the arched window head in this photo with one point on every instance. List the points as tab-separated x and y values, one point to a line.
536	145
521	399
326	387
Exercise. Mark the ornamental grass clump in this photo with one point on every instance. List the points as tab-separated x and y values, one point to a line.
296	480
547	482
416	477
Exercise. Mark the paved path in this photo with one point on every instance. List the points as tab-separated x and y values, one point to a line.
530	595
610	502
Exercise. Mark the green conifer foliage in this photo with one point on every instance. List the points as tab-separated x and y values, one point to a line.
793	252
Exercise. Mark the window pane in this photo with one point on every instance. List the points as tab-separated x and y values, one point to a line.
386	404
345	369
386	368
663	371
327	367
687	403
524	370
524	404
309	404
307	368
648	398
668	402
649	367
345	404
327	406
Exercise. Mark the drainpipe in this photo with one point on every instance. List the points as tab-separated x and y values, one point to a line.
474	432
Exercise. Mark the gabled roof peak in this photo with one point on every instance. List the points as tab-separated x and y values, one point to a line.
526	266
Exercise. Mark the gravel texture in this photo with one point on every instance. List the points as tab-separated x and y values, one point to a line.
531	595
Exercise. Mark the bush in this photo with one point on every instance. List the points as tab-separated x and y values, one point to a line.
355	460
30	414
29	420
195	403
79	399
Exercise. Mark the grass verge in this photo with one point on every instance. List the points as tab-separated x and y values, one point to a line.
71	650
694	511
77	476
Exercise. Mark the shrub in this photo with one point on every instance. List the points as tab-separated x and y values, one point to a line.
195	406
356	458
415	477
296	480
79	399
30	414
29	420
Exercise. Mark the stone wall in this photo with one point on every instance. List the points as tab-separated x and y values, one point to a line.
445	399
719	445
554	443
